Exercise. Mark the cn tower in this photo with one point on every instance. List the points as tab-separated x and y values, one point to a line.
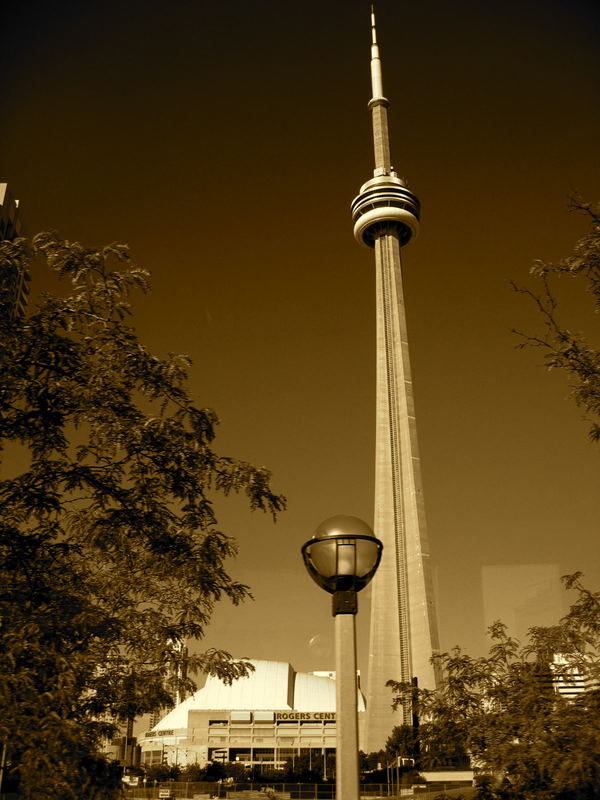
403	632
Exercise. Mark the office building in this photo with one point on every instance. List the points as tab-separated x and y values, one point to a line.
569	679
521	596
10	221
177	670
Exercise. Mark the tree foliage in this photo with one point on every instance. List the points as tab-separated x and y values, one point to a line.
505	710
110	551
429	748
160	773
571	351
402	742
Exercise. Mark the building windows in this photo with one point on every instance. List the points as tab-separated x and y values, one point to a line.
286	752
150	757
260	737
264	717
240	755
241	716
263	754
218	755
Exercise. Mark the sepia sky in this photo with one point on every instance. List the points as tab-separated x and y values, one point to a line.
224	143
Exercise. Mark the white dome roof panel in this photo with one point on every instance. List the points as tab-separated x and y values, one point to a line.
272	686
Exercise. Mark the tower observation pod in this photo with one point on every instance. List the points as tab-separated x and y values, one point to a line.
384	204
403	628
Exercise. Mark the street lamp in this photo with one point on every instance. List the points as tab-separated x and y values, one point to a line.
342	557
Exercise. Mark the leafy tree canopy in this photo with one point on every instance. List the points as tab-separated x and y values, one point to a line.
163	772
504	709
572	351
403	741
110	552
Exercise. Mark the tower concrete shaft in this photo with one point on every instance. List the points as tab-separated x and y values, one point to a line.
403	633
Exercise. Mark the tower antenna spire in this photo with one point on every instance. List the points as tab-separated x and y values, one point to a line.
376	79
379	106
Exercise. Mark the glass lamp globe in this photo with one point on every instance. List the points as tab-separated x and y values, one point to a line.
342	555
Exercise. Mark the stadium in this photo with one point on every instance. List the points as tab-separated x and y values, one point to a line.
273	715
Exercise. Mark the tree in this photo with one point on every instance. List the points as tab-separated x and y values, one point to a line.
214	771
370	761
162	772
373	766
505	710
402	742
110	551
192	773
562	348
234	769
431	749
211	771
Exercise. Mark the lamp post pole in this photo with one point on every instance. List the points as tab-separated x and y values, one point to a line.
342	557
346	759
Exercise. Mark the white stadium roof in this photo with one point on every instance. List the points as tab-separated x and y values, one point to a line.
273	686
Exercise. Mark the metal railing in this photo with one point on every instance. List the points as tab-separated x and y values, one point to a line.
203	790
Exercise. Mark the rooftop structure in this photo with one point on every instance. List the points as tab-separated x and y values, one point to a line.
569	679
10	222
14	280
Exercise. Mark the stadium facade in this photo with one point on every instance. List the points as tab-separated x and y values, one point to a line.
274	715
